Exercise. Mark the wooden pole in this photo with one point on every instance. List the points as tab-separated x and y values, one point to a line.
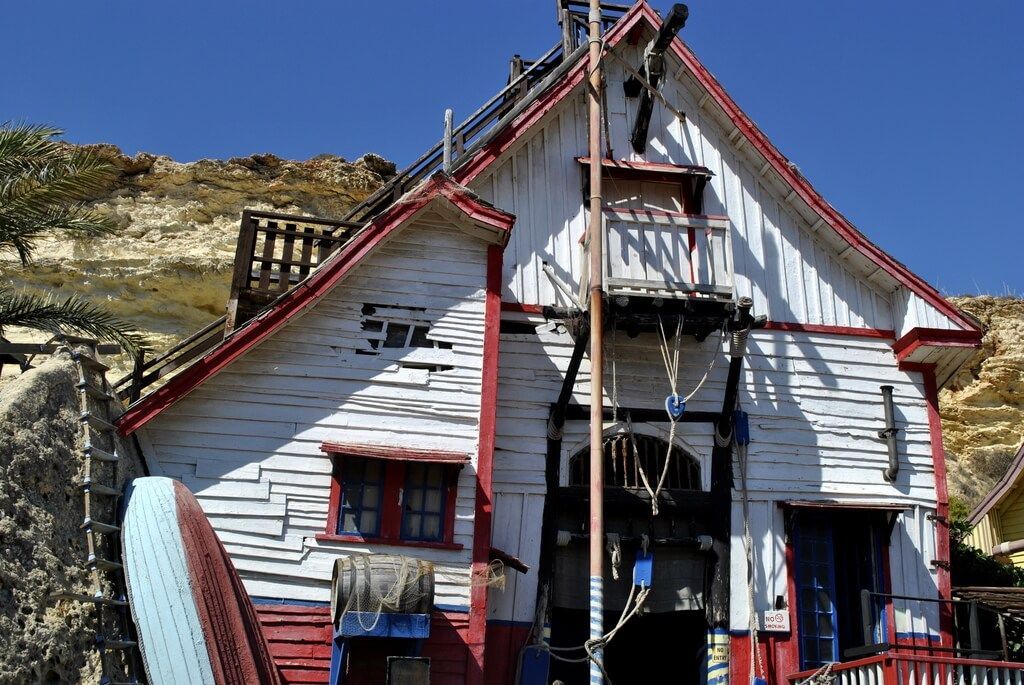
596	240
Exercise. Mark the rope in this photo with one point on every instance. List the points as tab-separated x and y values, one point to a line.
634	603
671	361
756	664
823	676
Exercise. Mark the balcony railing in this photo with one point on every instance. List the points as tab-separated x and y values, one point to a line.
914	669
275	252
666	254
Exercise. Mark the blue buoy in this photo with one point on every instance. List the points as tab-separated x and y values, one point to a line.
675	406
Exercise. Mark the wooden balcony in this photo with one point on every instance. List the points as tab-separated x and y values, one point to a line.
275	252
666	263
896	668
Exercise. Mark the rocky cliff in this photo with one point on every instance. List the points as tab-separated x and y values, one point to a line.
983	409
168	268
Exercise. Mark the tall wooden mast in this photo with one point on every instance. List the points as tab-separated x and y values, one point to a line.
596	238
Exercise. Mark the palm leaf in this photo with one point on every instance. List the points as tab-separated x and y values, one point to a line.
72	314
43	183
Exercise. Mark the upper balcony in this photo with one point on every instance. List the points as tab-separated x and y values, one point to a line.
662	254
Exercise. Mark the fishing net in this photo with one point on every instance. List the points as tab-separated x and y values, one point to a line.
372	584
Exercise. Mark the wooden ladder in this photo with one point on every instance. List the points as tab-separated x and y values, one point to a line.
118	648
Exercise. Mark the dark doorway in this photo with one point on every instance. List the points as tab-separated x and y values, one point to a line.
649	649
838	555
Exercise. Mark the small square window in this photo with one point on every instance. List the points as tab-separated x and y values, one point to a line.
393	501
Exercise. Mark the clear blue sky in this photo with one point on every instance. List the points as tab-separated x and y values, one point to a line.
906	115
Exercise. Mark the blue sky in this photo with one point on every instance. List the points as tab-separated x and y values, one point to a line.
906	115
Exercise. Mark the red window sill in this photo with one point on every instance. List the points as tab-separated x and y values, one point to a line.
331	537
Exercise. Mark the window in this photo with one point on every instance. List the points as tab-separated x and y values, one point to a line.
625	457
837	555
393	497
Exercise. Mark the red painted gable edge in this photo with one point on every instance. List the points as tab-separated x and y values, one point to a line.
306	293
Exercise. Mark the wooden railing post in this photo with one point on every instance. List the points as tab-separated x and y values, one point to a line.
242	269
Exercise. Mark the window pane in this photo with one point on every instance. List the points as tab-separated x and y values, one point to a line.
368	523
396	335
414	500
348	523
432	527
433	503
373	470
435	475
413	526
419	337
414	474
371	497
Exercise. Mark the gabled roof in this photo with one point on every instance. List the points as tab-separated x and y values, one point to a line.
1001	489
477	160
439	192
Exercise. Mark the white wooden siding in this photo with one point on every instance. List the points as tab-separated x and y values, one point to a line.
815	410
795	269
247	442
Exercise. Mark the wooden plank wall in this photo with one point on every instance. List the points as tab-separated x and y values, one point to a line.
815	409
793	272
247	442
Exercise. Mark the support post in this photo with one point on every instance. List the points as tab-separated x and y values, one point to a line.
721	498
595	238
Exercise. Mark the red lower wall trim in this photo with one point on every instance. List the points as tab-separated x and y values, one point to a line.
775	658
300	644
485	458
504	642
300	640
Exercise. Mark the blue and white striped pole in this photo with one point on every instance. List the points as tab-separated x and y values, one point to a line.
596	627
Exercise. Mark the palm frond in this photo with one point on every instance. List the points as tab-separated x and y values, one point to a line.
72	314
43	183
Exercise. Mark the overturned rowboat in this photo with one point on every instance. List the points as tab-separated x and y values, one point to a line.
195	621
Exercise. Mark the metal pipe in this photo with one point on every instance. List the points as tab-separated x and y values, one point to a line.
889	435
1008	547
595	238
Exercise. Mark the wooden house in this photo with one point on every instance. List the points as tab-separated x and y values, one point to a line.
413	379
997	523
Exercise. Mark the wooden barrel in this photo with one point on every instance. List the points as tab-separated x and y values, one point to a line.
392	583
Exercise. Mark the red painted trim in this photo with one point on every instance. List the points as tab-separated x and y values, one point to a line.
522	308
787	650
850	331
802	186
334	504
394	453
392	542
484	465
934	337
391	502
931	396
306	293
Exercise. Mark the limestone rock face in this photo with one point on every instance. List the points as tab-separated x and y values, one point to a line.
168	269
983	409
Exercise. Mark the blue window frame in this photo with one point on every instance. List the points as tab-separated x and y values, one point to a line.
362	492
816	591
423	510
